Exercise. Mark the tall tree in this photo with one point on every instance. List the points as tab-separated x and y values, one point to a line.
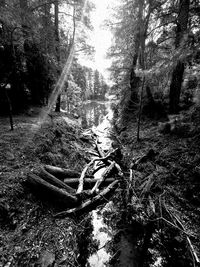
57	41
178	71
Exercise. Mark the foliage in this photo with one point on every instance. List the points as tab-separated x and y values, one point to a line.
29	47
152	36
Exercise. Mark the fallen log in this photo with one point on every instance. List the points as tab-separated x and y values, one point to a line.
51	190
54	181
92	203
87	181
61	173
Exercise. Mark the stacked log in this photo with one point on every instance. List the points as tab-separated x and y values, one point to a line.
69	186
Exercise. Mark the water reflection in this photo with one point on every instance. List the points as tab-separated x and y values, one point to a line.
93	113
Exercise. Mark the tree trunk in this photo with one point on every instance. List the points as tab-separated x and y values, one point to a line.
178	72
57	40
47	25
10	110
175	87
24	13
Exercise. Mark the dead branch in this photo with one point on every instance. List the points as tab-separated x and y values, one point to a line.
102	158
100	150
61	173
103	177
90	204
99	167
81	180
87	181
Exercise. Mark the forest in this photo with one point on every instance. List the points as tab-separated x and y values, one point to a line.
100	167
37	38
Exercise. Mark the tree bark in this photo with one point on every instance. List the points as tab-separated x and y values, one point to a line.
134	80
61	173
47	24
24	13
57	40
178	72
87	181
53	180
50	190
10	110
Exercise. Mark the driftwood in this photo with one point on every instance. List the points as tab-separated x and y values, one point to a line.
51	190
54	181
61	173
103	177
88	205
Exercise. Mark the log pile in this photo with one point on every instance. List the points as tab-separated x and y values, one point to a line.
79	192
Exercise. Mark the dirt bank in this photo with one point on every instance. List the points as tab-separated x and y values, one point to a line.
162	196
29	236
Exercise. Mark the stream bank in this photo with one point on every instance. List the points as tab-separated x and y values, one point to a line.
163	193
29	233
31	236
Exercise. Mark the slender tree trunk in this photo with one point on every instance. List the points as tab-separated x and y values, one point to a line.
57	39
140	38
143	26
9	109
24	12
175	87
178	72
46	25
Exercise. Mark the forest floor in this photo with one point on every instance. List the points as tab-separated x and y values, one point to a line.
170	176
29	235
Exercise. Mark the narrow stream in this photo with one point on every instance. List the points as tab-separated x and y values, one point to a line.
98	115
